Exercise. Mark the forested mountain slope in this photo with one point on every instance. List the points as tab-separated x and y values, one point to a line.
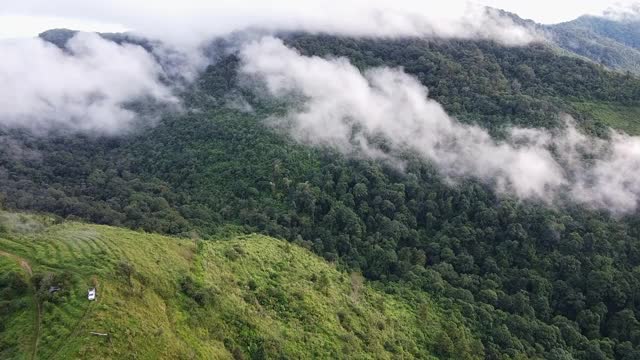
531	281
166	298
613	43
610	39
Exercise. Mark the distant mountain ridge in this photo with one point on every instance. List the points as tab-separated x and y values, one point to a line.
613	41
60	38
608	41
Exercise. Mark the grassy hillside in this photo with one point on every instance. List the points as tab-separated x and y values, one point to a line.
619	117
161	297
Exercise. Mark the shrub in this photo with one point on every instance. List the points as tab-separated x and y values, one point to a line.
200	294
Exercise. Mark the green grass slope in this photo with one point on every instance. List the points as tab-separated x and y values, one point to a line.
616	116
159	297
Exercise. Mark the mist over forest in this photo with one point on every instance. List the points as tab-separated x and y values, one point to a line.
251	181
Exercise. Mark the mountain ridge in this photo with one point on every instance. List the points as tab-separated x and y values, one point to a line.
605	40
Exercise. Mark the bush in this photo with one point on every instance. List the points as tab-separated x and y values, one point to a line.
12	284
202	295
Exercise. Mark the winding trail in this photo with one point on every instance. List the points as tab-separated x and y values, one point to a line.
24	264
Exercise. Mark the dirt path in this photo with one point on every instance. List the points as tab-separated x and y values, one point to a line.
24	264
36	340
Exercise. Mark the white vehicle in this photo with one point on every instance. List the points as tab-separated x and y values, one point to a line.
92	294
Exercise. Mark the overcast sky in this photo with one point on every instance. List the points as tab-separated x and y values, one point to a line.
26	18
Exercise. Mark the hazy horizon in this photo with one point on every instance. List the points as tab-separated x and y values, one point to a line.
30	17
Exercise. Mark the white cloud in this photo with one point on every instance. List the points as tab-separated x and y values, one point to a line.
345	109
186	17
85	89
613	181
194	20
552	12
88	89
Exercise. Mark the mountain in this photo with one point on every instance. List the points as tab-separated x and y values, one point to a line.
625	30
524	279
612	42
165	298
58	37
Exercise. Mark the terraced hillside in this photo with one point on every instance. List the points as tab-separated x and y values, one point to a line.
159	297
